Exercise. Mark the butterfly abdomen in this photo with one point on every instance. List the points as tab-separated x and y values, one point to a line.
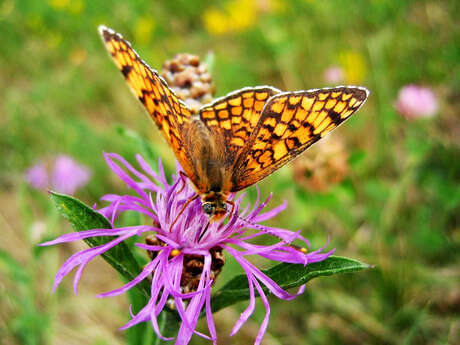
207	157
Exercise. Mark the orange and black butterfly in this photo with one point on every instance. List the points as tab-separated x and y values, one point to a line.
238	139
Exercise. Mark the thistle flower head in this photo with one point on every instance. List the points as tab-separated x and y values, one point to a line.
187	256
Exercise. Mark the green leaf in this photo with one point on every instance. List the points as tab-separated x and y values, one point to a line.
136	334
286	276
209	60
169	323
82	218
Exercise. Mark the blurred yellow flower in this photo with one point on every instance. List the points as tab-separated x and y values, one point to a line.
143	29
215	21
354	66
59	4
242	14
237	16
74	6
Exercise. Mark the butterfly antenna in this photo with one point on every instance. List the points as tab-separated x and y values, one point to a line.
269	232
182	177
250	223
182	210
204	231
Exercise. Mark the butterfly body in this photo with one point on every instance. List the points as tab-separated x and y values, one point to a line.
207	157
209	164
240	138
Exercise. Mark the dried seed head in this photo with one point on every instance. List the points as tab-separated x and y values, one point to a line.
322	166
190	80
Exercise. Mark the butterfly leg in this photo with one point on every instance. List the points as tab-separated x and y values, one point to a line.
183	209
182	177
203	232
233	208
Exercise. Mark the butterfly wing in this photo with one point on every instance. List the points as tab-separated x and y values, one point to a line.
170	114
235	116
290	122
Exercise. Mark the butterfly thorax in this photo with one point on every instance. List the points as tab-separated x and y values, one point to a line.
214	204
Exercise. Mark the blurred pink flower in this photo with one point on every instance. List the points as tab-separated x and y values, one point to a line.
37	176
333	75
416	102
62	174
68	175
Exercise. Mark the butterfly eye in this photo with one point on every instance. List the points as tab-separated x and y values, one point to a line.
224	206
207	208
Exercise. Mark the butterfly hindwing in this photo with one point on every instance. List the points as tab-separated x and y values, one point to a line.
290	122
235	116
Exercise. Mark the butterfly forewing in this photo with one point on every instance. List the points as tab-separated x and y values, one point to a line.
235	116
169	113
290	122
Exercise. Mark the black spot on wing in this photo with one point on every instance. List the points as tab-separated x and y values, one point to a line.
335	117
126	70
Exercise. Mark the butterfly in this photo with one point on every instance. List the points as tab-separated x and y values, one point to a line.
239	139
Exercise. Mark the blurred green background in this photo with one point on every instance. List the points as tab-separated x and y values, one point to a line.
395	203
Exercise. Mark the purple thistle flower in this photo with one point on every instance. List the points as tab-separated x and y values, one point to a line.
66	175
416	102
191	239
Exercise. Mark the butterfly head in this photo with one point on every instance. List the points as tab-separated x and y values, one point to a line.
214	205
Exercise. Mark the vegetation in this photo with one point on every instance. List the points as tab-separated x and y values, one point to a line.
396	204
